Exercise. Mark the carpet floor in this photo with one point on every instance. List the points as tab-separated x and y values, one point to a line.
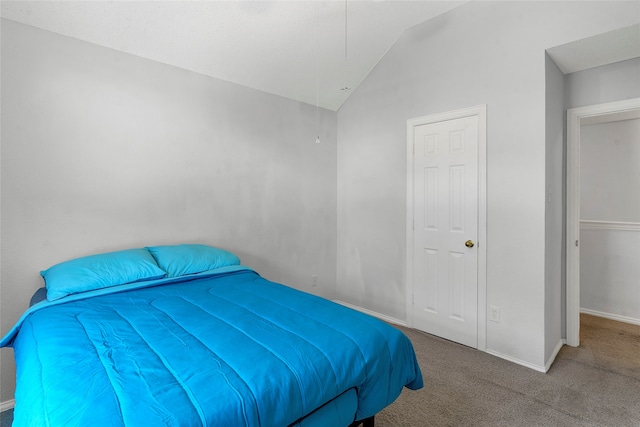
594	385
6	418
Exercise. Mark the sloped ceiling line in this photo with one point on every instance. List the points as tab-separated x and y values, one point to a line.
273	46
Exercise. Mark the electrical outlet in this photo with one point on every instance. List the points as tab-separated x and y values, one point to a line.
494	313
314	281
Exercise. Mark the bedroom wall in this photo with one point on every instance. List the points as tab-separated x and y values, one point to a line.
610	220
104	151
608	83
554	210
613	82
481	53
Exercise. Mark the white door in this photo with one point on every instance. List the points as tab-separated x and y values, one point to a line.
445	229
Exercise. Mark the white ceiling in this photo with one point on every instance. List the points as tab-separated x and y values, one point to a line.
601	49
295	49
282	47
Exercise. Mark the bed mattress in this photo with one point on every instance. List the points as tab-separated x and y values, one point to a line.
221	348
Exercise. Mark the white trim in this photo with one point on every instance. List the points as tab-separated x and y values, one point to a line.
372	313
610	316
553	356
516	360
482	228
5	406
609	225
575	116
481	112
573	228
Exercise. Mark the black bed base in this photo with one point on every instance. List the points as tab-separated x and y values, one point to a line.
367	422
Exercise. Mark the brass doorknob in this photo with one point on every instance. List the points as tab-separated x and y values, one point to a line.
469	243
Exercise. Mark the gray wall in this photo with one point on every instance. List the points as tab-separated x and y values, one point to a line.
104	151
481	53
610	195
554	301
613	82
610	171
608	279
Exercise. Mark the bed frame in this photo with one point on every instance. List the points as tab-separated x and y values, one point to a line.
367	422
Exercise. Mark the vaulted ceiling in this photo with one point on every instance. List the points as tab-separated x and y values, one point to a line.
303	50
295	49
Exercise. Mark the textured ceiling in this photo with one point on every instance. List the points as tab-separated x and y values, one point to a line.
288	48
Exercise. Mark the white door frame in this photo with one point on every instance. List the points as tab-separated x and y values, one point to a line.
481	112
576	117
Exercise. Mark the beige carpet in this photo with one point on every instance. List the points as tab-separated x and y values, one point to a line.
596	384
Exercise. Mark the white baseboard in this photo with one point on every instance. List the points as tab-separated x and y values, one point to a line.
556	350
373	313
7	405
517	361
395	321
610	316
529	365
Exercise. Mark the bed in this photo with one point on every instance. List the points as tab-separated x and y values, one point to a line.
184	335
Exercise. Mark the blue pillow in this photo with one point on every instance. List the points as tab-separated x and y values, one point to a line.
179	260
100	271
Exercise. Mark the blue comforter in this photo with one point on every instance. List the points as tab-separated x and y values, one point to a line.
217	349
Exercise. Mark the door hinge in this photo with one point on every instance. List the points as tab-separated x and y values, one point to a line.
576	243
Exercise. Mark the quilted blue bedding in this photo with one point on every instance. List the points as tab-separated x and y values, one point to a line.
222	348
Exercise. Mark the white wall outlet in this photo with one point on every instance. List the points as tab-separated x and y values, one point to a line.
494	313
314	281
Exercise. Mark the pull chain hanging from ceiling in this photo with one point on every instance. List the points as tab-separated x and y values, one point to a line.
346	87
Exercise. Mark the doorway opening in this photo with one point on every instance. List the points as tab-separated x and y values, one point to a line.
577	117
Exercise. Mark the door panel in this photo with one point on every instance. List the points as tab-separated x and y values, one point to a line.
445	271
